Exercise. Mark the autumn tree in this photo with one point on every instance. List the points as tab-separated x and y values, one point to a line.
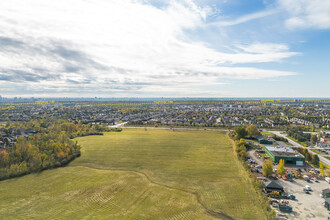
267	168
322	169
241	148
305	151
51	147
252	130
4	158
281	169
327	171
308	156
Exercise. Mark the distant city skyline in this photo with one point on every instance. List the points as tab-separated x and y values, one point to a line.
154	48
59	99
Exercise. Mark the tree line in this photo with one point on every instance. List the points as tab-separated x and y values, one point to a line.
312	158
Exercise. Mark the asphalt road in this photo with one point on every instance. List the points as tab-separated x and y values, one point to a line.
118	125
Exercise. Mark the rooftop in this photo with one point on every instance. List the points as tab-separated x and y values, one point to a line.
283	151
272	184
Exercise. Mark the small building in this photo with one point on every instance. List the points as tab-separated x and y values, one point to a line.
271	186
263	140
276	153
326	193
327	203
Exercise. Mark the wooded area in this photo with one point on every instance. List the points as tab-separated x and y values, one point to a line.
52	146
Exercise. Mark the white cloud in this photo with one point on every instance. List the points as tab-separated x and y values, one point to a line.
307	13
264	48
246	18
116	46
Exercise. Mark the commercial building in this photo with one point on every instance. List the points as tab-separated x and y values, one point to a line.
276	153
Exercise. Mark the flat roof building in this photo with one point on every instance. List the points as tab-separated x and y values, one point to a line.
276	153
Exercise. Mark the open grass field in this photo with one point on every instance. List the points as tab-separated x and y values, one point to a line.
267	133
138	174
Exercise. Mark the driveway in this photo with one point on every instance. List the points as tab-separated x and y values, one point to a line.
251	154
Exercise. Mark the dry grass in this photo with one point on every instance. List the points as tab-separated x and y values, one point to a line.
138	174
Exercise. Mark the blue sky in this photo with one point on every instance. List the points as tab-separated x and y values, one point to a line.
154	48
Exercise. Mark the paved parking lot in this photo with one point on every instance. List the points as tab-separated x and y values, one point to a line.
306	206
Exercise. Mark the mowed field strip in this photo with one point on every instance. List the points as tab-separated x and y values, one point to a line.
139	174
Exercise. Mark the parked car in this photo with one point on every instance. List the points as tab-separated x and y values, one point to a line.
308	188
315	179
291	196
307	178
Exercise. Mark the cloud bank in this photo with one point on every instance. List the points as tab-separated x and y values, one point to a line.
306	14
118	48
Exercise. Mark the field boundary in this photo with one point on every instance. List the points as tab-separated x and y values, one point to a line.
178	128
247	175
196	194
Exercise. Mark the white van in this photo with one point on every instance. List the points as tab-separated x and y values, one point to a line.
327	179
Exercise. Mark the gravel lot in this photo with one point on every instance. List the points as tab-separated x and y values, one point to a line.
306	206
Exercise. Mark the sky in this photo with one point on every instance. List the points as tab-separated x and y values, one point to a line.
158	48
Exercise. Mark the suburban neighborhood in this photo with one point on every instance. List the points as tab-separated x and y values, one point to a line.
285	145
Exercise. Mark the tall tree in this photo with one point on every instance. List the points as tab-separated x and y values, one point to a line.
240	132
308	157
267	168
281	169
305	151
4	158
252	130
315	160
